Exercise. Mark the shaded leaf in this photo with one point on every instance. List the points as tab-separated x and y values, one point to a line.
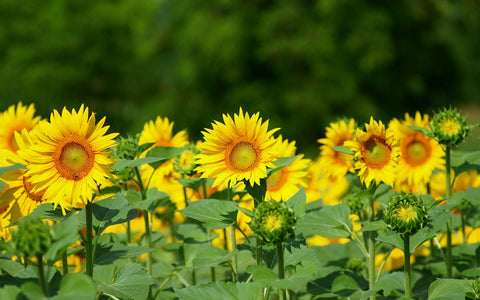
164	154
205	255
446	289
122	164
214	214
262	275
76	286
111	211
107	253
329	222
221	290
297	202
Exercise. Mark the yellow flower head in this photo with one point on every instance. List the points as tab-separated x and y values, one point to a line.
421	155
14	119
336	163
284	183
376	153
68	160
240	149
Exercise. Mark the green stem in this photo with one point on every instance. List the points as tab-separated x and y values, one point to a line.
406	252
371	249
449	223
41	275
281	268
259	252
89	238
149	241
233	241
65	263
129	232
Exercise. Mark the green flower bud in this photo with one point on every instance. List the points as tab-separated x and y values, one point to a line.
406	214
273	222
356	264
185	162
126	148
355	203
32	238
449	127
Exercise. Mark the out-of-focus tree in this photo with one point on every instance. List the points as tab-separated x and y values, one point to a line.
300	63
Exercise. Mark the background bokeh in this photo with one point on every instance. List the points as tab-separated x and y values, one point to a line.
301	64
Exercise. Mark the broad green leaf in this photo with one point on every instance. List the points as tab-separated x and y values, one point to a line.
11	267
221	290
191	233
374	226
47	211
473	195
297	203
343	149
390	237
76	286
257	191
390	283
14	167
393	238
64	234
205	255
130	281
422	130
154	199
330	222
262	275
344	285
281	163
10	292
32	291
192	183
111	211
122	164
295	256
447	289
164	154
294	283
107	253
214	214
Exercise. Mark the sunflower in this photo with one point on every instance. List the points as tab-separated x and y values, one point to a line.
333	162
240	149
376	153
14	119
421	155
68	162
284	183
20	189
160	134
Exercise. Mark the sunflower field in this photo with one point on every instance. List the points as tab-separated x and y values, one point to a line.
386	210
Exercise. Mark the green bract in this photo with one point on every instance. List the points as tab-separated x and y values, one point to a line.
449	127
406	214
185	162
126	148
273	222
32	238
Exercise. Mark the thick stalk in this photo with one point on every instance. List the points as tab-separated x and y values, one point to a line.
129	232
89	238
371	249
64	263
259	252
148	239
407	271
448	185
281	268
41	275
233	241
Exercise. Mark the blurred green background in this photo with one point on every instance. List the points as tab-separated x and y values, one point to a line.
301	64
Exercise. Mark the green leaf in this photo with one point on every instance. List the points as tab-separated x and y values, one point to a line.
214	214
76	286
423	130
374	226
192	183
343	149
330	222
298	202
164	154
122	164
64	234
390	283
153	199
111	211
14	167
473	196
191	233
221	290
281	163
294	283
262	275
3	185
446	289
130	281
46	211
10	292
205	255
32	291
257	191
344	285
107	253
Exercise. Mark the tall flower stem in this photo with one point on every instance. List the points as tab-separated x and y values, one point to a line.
407	271
233	241
281	268
449	223
89	238
41	275
205	196
371	248
64	263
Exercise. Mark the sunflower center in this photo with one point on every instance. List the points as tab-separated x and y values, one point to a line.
406	213
450	127
74	157
417	150
272	222
28	189
277	179
376	153
243	156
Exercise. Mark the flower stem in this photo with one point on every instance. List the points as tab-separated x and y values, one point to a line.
89	238
371	249
41	275
233	241
449	223
65	263
148	238
281	268
407	271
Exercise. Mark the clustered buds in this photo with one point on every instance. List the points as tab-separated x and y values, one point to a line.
32	238
355	203
273	222
185	162
406	214
449	127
